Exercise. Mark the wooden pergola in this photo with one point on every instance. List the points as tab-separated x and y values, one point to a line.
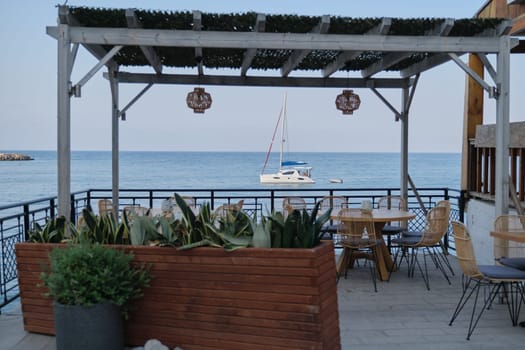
250	43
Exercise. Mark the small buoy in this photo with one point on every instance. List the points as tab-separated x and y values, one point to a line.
336	181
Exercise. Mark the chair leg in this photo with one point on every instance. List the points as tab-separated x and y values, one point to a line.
514	298
373	268
395	263
424	274
463	300
465	296
437	261
467	293
443	254
412	262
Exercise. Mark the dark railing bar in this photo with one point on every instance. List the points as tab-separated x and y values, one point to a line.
15	227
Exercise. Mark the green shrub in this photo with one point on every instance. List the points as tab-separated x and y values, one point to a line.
86	274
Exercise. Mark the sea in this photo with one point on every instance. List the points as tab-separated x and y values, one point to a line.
28	180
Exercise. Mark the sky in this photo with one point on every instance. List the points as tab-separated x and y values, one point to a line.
240	119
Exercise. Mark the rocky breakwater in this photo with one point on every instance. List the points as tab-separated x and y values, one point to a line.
14	156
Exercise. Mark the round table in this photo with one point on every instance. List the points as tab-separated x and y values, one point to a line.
380	217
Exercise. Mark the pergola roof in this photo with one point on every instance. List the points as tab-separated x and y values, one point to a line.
318	47
252	42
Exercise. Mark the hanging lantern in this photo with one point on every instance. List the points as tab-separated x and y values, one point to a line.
347	102
198	100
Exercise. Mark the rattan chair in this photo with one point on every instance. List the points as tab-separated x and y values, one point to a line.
392	228
515	251
133	211
105	206
226	209
442	250
358	238
293	203
428	243
190	201
492	277
335	203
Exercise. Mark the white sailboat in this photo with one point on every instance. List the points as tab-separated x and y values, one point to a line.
290	171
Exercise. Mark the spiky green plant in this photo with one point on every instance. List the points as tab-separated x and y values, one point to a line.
102	229
300	229
54	231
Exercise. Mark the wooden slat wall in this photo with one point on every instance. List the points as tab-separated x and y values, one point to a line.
207	298
483	170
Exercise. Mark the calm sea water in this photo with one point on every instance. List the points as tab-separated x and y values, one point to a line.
28	180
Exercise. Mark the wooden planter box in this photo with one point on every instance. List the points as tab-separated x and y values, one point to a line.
207	298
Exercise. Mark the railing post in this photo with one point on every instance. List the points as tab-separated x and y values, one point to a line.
272	200
72	213
88	199
52	208
151	199
461	205
212	199
26	222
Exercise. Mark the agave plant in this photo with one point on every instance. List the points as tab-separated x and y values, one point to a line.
54	231
102	229
300	229
234	230
261	233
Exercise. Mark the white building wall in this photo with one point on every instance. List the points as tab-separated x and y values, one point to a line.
479	218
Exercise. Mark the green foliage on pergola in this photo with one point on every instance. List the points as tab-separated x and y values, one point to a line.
265	58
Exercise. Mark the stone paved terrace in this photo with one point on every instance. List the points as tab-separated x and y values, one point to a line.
401	315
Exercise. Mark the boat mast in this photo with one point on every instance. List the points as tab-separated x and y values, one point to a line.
281	113
282	133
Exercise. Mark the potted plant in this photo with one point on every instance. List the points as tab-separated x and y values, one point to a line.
91	286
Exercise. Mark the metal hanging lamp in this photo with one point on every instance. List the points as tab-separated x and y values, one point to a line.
198	100
347	102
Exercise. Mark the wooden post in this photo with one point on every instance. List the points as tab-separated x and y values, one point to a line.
114	141
502	128
502	139
404	145
64	122
473	116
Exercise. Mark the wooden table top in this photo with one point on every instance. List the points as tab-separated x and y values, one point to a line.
516	236
382	215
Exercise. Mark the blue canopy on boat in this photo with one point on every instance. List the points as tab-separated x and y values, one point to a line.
292	163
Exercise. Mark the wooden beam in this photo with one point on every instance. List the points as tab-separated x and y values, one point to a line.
96	68
428	63
98	51
346	56
518	27
197	26
281	41
488	66
249	55
231	80
438	59
393	58
297	56
148	51
490	89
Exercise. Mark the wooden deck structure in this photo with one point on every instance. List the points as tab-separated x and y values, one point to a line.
482	167
282	44
480	161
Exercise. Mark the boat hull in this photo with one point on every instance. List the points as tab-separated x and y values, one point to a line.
280	178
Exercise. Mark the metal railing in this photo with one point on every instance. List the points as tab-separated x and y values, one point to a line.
17	220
